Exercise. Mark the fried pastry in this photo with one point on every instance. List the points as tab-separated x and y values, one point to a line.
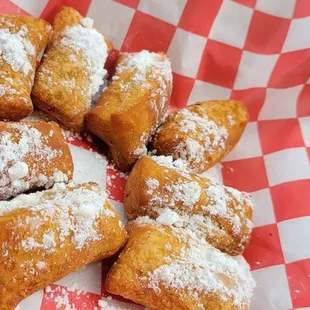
32	155
203	133
133	106
72	69
172	269
22	38
47	235
158	187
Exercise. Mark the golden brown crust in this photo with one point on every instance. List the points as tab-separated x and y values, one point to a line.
42	148
27	266
15	102
149	247
62	82
219	214
131	108
144	252
66	17
182	130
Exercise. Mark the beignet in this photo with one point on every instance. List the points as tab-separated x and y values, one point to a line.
47	235
164	268
32	155
157	187
203	133
22	38
133	106
72	69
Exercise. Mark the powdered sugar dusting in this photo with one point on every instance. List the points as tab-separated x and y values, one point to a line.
10	87
180	192
62	298
221	197
151	72
143	62
201	205
168	217
18	171
200	268
74	209
63	302
92	45
204	136
152	184
168	162
199	224
139	151
16	50
47	243
19	142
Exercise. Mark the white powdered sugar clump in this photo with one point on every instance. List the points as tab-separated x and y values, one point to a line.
18	171
168	217
204	136
74	210
152	184
16	50
143	62
167	161
17	144
201	269
140	151
92	45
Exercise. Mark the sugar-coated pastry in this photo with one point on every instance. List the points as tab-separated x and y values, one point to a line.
22	38
203	133
72	69
172	269
47	235
158	187
133	106
32	155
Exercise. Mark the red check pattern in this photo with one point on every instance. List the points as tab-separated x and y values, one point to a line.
257	51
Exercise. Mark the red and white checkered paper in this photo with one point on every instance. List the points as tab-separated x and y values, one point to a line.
257	51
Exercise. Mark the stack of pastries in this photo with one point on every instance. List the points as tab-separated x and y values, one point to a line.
186	233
